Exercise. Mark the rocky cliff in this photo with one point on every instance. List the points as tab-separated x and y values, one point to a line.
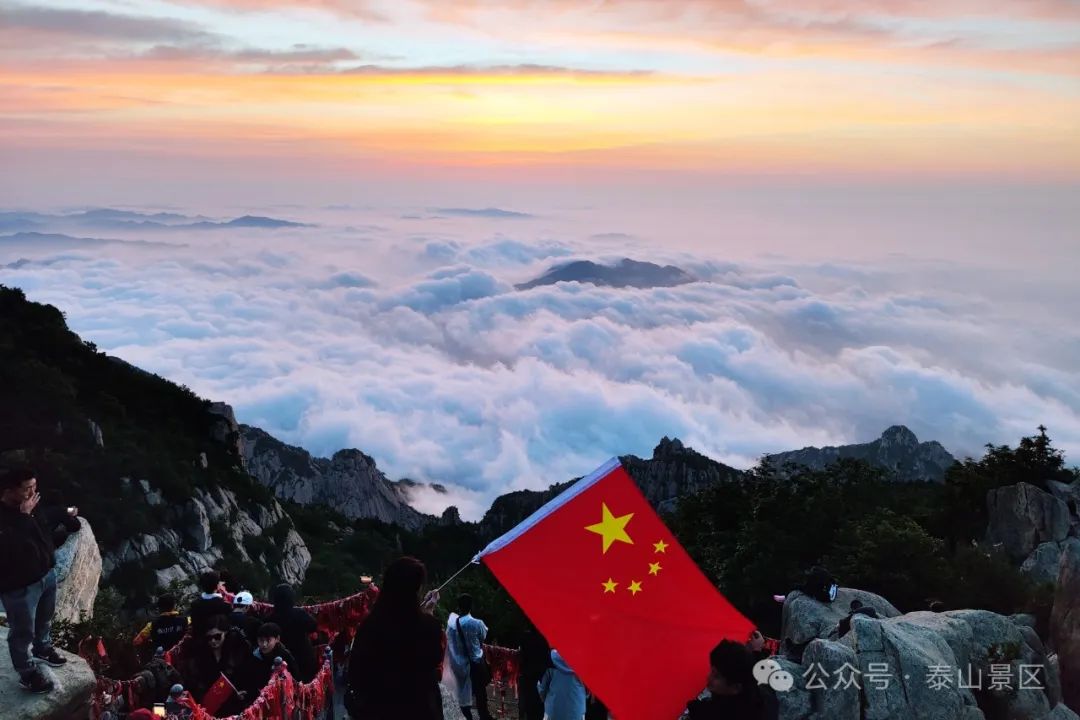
897	450
156	469
673	471
349	481
210	529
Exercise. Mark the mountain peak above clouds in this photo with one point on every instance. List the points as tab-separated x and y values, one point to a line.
625	273
348	482
898	450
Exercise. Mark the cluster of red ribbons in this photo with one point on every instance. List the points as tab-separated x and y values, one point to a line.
282	697
108	692
504	664
331	617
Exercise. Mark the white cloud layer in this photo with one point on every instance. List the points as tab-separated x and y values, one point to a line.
405	338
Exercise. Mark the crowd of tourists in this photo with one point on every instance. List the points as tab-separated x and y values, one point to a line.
395	662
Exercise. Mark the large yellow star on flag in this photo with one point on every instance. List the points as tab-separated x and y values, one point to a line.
611	528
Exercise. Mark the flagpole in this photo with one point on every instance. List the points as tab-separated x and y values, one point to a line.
440	588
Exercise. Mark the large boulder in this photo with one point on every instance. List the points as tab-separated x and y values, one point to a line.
908	667
957	665
831	668
78	572
805	618
69	701
1022	517
1042	565
1065	622
1068	493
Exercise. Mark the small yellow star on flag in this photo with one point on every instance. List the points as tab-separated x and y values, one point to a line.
660	546
610	585
654	568
635	587
611	528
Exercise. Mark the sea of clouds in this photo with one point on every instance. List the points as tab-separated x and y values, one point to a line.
401	333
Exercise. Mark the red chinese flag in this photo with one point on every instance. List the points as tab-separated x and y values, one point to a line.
605	581
218	694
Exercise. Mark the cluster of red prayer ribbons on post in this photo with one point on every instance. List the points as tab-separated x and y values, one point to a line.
282	697
283	692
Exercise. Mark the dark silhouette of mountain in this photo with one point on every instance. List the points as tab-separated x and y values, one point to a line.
625	273
497	213
897	450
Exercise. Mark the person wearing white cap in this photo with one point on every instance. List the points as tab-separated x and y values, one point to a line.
243	617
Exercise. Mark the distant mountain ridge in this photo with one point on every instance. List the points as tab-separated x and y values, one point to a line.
349	482
625	273
897	450
111	219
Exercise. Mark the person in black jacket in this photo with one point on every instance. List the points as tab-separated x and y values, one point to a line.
394	664
209	604
535	660
734	693
27	578
296	629
214	652
260	663
167	628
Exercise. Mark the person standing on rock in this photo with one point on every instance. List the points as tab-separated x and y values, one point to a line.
394	666
466	635
27	578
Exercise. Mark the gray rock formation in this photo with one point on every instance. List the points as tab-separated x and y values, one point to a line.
915	666
95	433
1022	517
676	471
897	450
194	535
226	431
1043	563
349	482
78	572
673	471
831	666
69	701
805	618
1065	622
1068	493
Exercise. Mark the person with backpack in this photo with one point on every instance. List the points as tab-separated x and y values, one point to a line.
155	680
167	628
465	637
396	657
562	691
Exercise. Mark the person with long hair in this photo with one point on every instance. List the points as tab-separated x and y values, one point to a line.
394	664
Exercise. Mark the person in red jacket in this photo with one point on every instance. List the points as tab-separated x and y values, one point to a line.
27	578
